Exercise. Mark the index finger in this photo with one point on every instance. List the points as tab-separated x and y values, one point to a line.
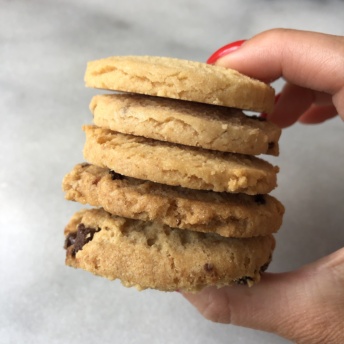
308	59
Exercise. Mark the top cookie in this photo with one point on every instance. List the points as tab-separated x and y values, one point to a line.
180	79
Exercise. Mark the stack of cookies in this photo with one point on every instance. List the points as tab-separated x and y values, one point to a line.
180	198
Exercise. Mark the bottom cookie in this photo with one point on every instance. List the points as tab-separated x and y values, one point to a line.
150	255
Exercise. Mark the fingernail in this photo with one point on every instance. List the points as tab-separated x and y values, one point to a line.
277	97
227	49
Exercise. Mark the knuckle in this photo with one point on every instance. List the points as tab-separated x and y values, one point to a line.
274	34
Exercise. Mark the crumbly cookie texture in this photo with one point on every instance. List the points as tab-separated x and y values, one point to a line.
194	124
172	164
180	79
229	215
148	255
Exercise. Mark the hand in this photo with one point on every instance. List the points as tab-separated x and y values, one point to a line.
307	305
311	63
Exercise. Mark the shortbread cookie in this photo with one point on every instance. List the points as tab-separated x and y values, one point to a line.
180	79
229	215
193	124
172	164
149	255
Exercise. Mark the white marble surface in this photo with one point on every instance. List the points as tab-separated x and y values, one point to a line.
44	46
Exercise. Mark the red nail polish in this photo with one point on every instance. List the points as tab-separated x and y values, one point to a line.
277	96
225	51
265	115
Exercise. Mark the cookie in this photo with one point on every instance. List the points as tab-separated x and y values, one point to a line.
188	123
178	165
229	215
149	255
180	79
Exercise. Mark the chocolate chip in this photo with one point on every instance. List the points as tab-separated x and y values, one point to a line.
116	176
96	181
83	236
208	267
266	265
271	145
259	199
70	240
243	280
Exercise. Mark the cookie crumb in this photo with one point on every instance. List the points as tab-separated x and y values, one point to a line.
245	280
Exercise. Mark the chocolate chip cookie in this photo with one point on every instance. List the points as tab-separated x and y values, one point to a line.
180	199
188	123
150	255
172	164
180	79
226	214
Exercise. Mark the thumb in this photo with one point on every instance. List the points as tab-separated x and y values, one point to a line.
306	306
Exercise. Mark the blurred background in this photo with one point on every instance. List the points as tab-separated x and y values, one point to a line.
44	48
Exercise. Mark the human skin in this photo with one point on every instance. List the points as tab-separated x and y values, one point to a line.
306	305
